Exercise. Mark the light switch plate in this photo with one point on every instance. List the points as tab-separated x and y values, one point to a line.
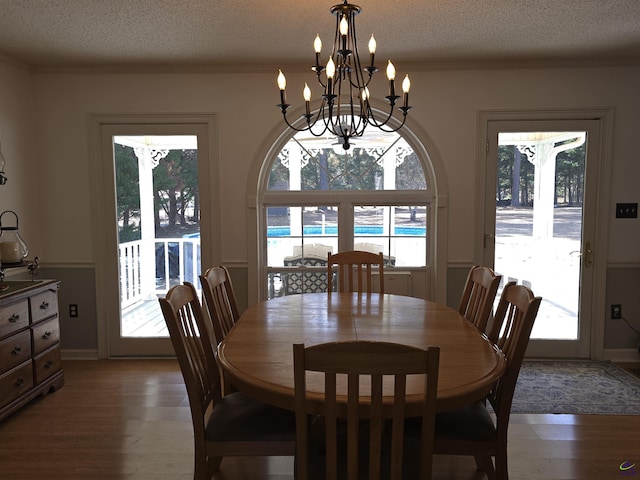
626	210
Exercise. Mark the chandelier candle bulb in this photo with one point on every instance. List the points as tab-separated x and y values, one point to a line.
282	84
365	100
306	93
331	71
372	50
391	75
406	86
344	29
317	47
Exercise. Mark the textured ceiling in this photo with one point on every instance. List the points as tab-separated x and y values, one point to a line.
217	33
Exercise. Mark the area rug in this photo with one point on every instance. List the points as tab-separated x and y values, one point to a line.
577	387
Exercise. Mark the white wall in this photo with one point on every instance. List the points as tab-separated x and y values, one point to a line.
17	137
445	106
52	145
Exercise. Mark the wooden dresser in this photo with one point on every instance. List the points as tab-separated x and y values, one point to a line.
29	343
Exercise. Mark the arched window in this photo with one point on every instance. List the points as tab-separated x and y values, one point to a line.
318	198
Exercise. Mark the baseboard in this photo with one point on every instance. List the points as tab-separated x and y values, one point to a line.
629	355
79	354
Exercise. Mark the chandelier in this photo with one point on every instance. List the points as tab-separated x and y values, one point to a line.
345	110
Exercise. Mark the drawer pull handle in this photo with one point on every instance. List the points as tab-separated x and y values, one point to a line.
19	382
49	364
46	335
44	305
15	318
17	350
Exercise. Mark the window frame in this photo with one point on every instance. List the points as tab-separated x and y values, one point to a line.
345	201
432	281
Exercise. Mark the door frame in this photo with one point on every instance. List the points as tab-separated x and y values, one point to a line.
102	129
599	194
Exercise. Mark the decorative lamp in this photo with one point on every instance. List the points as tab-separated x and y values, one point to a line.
345	111
12	247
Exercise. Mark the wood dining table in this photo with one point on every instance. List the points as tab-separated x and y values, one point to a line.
257	354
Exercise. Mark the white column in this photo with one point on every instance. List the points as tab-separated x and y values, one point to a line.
544	191
148	159
389	164
546	153
295	183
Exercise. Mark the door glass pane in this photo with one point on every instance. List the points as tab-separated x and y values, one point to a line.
539	199
158	225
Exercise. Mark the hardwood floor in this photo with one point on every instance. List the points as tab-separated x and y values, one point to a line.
129	419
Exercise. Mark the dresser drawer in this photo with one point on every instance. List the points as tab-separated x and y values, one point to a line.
43	305
16	382
14	317
47	363
15	350
45	335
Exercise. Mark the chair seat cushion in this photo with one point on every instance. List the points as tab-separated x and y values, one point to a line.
473	422
238	417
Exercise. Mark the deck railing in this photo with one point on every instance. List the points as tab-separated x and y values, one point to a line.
151	268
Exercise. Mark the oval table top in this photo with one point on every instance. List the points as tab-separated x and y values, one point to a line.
257	354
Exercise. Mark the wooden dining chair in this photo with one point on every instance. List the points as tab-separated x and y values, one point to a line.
471	430
476	303
229	425
354	272
220	300
368	443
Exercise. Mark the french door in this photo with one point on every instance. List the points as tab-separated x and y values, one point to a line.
137	262
540	223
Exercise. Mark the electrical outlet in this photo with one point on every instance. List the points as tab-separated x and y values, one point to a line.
616	312
73	310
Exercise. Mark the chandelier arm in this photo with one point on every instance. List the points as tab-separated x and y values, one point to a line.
320	82
379	124
328	118
384	128
309	124
292	127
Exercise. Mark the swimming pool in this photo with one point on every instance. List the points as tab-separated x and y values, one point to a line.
284	231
